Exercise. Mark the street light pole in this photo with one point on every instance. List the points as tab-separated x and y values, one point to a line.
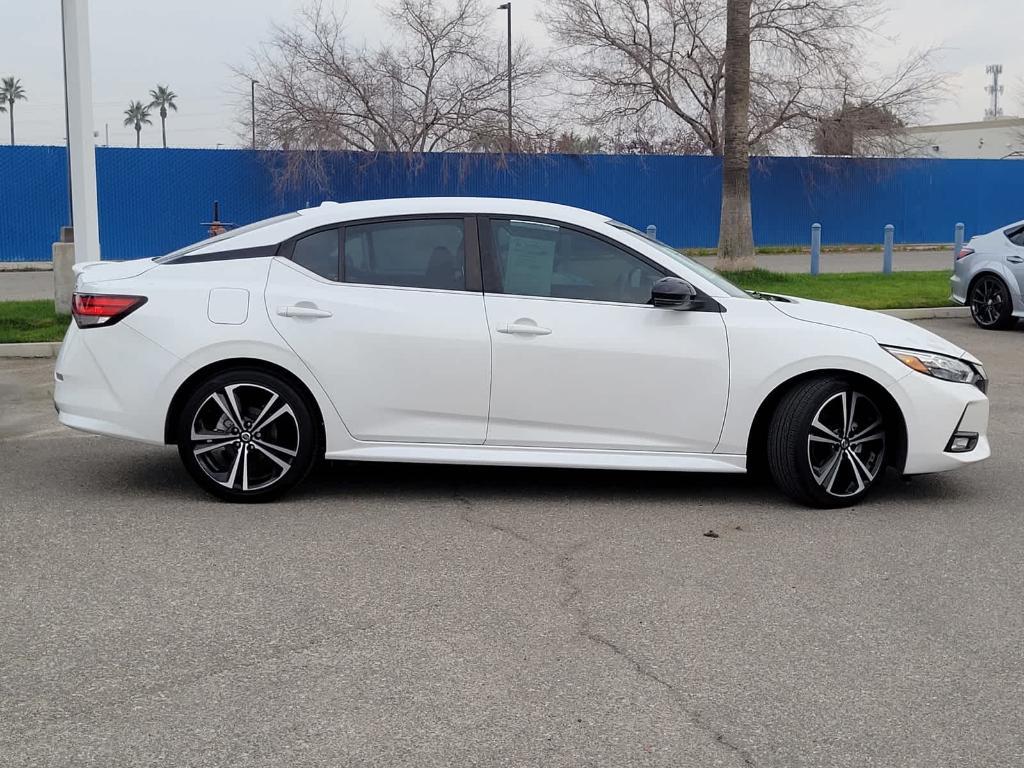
252	103
81	141
507	7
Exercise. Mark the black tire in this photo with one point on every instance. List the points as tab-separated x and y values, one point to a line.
817	421
255	436
991	304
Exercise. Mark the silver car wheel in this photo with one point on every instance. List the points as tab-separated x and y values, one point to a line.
846	444
987	301
245	437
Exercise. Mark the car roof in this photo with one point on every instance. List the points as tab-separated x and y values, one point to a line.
282	227
329	212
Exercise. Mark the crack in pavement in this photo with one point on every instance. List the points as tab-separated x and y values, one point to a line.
572	603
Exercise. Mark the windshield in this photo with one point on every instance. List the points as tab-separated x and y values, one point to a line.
706	272
225	236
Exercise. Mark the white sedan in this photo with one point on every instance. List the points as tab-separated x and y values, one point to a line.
492	331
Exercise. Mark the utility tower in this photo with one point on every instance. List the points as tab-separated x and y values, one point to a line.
995	91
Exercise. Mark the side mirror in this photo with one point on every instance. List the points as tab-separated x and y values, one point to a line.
675	293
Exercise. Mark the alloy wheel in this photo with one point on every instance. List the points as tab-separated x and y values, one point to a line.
245	437
987	301
846	444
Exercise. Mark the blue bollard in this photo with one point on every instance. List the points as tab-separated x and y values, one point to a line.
887	249
652	232
815	248
958	239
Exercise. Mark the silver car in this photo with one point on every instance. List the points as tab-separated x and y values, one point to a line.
988	276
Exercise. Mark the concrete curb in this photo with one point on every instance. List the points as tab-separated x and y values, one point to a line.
928	313
26	266
31	349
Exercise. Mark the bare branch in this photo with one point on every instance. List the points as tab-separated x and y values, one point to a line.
438	83
637	61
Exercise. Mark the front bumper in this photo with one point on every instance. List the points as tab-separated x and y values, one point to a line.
934	410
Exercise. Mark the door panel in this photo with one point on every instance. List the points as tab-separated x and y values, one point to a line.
589	374
400	364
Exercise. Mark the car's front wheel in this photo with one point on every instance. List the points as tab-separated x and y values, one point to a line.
246	435
827	443
990	303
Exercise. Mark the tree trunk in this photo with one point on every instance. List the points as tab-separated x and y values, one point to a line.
736	236
11	110
138	137
163	125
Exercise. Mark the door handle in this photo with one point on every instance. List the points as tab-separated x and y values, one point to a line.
299	310
1015	259
523	329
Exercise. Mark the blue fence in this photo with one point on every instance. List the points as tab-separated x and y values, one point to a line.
154	200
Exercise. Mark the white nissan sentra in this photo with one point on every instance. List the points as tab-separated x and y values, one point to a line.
492	331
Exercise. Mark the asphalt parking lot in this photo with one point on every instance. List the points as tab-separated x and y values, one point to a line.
428	616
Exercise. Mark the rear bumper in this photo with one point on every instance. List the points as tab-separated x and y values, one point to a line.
934	410
108	381
958	289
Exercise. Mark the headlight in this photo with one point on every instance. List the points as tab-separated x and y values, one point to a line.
939	366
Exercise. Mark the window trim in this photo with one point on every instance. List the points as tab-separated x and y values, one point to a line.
492	280
471	246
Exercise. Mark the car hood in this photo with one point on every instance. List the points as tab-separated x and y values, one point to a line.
885	329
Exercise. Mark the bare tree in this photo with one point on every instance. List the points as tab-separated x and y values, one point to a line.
636	57
629	59
736	234
1017	149
872	113
439	83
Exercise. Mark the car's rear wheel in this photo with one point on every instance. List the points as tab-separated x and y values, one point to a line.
827	443
246	435
990	303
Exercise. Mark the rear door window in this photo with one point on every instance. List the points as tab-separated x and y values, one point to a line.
413	253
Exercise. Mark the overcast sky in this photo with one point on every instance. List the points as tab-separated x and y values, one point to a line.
191	45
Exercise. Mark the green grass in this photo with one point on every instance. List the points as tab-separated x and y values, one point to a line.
776	249
31	321
869	290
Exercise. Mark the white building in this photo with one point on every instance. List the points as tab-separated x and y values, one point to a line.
984	139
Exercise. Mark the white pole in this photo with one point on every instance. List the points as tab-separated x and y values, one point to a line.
78	86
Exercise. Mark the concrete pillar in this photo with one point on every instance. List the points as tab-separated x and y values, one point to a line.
63	271
887	249
815	248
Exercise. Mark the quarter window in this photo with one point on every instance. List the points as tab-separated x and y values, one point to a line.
535	258
318	253
423	253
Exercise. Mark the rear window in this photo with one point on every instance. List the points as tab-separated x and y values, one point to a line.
225	236
1015	235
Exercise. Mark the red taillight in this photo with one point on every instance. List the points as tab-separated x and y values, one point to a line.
964	253
91	310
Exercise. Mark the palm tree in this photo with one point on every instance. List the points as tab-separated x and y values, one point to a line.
136	116
735	236
10	92
163	97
